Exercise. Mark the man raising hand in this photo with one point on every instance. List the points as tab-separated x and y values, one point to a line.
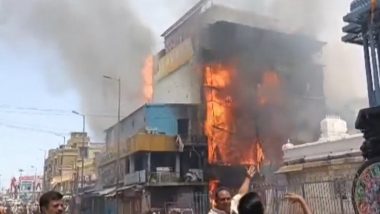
224	203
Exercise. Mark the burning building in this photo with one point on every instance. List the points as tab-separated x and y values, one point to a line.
230	76
258	85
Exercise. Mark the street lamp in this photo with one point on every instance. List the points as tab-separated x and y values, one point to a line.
82	149
118	132
119	94
44	177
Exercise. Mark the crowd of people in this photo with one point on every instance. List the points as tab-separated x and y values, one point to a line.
50	203
18	208
245	202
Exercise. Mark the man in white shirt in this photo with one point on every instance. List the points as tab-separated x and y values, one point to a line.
225	203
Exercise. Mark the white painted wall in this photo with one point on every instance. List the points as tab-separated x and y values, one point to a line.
333	127
323	148
181	86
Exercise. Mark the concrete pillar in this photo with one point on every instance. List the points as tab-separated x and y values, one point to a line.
131	164
177	164
148	162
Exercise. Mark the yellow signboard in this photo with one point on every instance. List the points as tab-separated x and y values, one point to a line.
177	57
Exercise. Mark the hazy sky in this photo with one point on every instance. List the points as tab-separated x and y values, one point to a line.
23	65
23	86
28	103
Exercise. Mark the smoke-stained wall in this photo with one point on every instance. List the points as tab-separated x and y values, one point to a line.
276	90
322	20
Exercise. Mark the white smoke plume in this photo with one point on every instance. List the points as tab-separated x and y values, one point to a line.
97	37
344	66
92	38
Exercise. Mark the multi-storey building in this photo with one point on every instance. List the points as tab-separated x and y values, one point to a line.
162	154
62	169
29	187
233	77
322	171
255	82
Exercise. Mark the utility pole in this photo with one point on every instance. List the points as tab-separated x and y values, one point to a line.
62	149
118	129
62	153
82	149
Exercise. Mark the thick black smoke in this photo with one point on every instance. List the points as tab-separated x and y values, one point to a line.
322	20
276	87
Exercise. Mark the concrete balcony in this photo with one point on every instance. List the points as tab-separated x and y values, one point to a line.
138	177
149	143
153	178
323	148
141	142
159	178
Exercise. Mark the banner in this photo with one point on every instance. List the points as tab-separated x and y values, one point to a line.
174	59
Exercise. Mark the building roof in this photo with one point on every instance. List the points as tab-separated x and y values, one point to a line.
212	11
323	149
296	167
150	105
195	9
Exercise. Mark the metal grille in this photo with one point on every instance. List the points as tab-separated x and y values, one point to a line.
201	203
323	197
332	196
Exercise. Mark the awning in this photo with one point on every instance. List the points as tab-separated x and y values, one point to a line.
290	168
110	195
60	179
107	191
125	188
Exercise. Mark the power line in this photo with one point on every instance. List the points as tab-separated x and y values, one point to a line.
44	111
32	129
28	125
33	113
3	106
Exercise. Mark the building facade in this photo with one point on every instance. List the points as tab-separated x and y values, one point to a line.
323	171
226	81
162	157
62	170
29	188
254	82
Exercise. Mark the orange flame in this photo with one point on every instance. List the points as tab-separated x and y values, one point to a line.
269	89
147	73
373	9
212	186
223	147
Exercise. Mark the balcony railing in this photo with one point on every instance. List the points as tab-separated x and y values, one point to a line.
135	178
163	177
157	178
